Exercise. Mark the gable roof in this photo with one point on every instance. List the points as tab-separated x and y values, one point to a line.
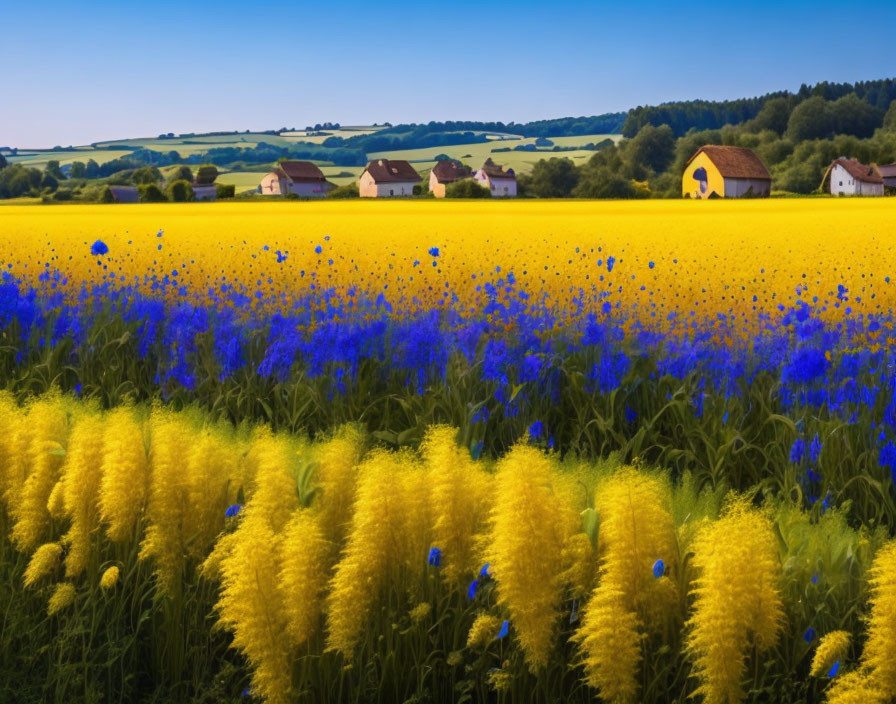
392	171
493	171
858	170
734	162
887	170
300	171
448	170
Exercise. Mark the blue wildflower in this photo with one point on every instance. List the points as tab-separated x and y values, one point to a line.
318	249
471	590
797	450
834	670
98	248
809	635
814	449
659	568
434	251
233	510
435	557
611	262
505	629
484	571
536	430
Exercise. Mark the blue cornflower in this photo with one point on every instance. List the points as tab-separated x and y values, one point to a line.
834	670
536	430
814	449
809	635
659	568
471	590
797	450
484	571
611	261
651	265
815	578
434	251
505	629
98	248
435	557
233	510
318	249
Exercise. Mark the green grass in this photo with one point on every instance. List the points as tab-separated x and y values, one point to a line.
38	160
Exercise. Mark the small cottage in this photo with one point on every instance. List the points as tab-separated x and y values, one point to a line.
725	172
888	174
444	172
385	178
501	183
299	177
849	177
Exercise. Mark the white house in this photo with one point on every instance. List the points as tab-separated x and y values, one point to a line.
446	171
385	178
501	183
300	177
851	178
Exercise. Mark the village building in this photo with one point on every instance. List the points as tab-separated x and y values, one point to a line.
444	172
124	194
888	174
501	183
725	172
849	177
301	178
204	191
385	178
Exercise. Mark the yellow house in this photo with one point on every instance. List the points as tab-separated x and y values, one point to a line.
725	172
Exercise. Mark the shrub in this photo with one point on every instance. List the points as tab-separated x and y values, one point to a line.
466	188
206	174
225	190
151	193
179	191
349	190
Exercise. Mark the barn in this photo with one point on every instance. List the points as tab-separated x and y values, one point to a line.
849	177
501	183
299	177
888	174
444	172
725	172
124	194
386	178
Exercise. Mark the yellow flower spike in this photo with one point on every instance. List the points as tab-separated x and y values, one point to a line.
63	597
44	560
109	578
304	573
125	474
483	631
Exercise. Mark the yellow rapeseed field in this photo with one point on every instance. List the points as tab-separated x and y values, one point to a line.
740	258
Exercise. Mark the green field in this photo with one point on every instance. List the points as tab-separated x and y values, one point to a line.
38	160
475	154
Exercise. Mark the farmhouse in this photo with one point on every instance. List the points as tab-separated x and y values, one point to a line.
444	172
299	177
385	178
852	178
888	174
725	172
501	183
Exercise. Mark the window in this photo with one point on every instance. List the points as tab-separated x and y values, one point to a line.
391	192
841	183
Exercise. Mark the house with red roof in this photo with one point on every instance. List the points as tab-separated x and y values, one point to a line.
849	177
388	178
299	177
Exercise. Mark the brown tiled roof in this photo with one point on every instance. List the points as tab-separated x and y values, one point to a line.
301	171
858	171
448	170
492	170
887	170
392	171
735	162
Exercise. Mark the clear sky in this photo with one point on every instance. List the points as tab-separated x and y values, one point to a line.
79	72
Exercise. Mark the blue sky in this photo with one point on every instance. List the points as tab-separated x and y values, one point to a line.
75	73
